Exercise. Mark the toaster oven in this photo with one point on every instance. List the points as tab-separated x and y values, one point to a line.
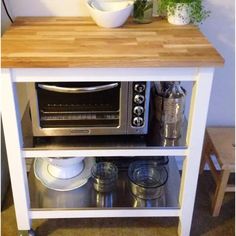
89	108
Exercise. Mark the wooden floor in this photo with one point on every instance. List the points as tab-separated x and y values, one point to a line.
203	222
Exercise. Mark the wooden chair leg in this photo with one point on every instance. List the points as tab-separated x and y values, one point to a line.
203	162
220	191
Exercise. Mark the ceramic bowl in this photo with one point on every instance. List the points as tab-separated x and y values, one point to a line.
65	167
66	172
109	6
64	161
109	14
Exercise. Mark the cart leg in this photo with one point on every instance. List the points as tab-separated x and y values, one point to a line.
16	161
205	153
30	232
195	135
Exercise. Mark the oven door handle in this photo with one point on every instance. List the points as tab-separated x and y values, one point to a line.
58	89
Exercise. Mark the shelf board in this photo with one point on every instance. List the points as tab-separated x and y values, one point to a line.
99	213
86	200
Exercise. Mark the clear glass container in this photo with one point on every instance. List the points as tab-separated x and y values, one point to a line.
146	179
143	10
104	176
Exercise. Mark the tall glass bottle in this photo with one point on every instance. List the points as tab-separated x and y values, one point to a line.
173	110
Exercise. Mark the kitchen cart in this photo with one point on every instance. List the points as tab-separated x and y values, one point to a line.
75	49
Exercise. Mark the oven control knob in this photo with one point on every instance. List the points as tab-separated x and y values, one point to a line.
138	121
139	88
138	110
139	99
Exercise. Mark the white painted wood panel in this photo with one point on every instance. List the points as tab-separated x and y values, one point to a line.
13	137
198	112
195	136
106	152
103	74
47	214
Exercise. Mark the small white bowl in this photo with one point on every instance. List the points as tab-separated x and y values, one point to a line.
64	161
109	14
66	172
109	6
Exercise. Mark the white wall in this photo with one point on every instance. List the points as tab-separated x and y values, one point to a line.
219	29
48	7
5	22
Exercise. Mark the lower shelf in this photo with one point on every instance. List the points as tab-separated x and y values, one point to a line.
86	202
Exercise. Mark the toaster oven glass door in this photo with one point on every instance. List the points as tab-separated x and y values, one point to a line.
78	104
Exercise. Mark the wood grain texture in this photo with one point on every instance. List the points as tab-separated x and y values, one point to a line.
222	143
48	42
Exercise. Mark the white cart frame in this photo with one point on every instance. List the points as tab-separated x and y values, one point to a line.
202	82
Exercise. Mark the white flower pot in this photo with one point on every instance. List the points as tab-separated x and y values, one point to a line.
180	15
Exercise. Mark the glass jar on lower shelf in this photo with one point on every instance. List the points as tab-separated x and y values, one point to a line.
143	10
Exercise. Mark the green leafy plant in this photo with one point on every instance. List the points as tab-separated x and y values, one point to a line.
197	12
142	8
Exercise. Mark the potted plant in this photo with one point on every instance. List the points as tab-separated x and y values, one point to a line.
182	12
143	11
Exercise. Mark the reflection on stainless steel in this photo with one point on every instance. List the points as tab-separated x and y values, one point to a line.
47	198
108	199
150	141
139	202
87	197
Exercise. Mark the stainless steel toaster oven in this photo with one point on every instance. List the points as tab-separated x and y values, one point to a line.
89	108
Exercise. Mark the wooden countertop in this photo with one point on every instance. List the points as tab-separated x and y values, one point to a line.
50	42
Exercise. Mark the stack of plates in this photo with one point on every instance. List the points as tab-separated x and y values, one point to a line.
44	175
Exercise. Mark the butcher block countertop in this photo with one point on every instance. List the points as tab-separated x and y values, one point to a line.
65	42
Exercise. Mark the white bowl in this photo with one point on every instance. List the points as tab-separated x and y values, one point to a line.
109	6
66	172
64	161
109	14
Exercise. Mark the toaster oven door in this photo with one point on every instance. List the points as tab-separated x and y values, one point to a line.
79	108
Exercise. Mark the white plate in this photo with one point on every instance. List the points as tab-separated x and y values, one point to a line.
42	174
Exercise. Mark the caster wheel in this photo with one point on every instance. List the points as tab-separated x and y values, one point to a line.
31	232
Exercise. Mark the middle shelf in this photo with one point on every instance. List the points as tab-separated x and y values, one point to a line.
112	145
